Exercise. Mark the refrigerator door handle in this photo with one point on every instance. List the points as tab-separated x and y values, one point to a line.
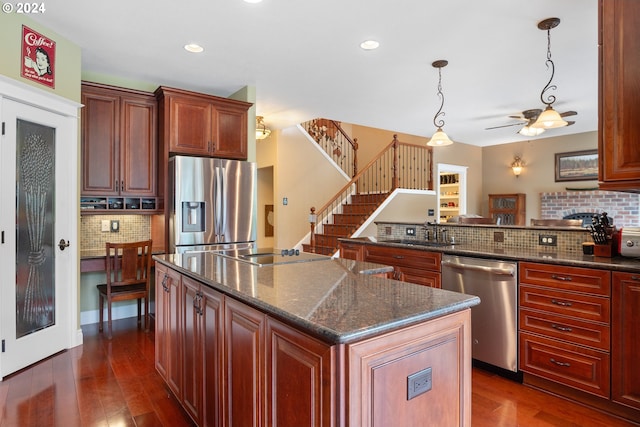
217	204
222	213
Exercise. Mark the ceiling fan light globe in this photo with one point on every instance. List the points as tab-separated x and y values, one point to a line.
530	131
439	139
549	119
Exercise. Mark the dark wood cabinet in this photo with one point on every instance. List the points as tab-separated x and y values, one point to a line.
354	251
119	142
297	372
619	95
202	125
564	325
508	209
244	365
168	343
410	265
625	384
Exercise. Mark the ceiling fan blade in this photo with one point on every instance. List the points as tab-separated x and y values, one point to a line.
505	126
570	122
568	113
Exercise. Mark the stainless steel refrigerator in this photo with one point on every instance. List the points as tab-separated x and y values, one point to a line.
211	203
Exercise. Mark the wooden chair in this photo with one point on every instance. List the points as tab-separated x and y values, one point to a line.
128	268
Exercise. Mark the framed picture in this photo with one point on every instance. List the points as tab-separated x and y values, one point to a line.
577	166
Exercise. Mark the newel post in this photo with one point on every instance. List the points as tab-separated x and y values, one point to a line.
394	179
355	157
312	223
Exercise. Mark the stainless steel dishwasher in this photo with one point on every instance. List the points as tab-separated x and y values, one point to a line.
494	322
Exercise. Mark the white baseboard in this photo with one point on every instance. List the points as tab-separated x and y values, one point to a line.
119	312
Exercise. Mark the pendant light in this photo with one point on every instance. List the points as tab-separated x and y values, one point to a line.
549	118
262	131
439	139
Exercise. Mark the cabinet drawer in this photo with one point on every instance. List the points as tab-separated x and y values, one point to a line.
581	306
403	257
419	277
567	278
565	328
571	365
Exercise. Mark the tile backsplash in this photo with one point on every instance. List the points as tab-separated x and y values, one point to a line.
132	228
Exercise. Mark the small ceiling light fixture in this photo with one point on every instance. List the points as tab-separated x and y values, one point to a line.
516	166
528	130
193	48
369	45
262	131
549	118
439	139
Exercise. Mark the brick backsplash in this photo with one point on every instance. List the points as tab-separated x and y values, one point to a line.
132	228
623	208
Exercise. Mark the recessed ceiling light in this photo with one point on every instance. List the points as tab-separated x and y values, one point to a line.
194	48
369	44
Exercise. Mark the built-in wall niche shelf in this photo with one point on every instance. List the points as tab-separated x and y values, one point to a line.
449	191
102	205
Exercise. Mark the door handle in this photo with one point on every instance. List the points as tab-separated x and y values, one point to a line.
63	244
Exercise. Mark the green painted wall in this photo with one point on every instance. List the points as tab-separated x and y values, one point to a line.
67	62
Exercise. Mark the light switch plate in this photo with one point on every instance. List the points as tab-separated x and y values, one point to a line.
104	225
115	225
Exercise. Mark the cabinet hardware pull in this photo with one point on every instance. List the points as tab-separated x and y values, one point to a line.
164	283
563	278
635	277
398	257
561	303
561	328
200	312
567	364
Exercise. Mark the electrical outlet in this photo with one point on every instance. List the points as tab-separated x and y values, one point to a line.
115	225
104	225
419	383
431	212
547	240
410	231
498	236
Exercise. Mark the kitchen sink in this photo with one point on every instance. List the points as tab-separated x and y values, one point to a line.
417	242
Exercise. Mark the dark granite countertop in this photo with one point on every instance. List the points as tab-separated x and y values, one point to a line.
336	300
616	263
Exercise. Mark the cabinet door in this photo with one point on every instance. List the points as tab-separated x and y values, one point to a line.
211	313
244	365
419	276
138	146
100	139
298	378
167	345
619	157
229	132
189	126
192	349
625	351
351	251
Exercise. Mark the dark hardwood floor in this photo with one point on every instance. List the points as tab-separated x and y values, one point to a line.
114	383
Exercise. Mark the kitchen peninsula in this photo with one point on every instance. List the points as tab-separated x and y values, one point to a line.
322	343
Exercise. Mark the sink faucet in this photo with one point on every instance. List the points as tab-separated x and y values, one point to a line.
435	231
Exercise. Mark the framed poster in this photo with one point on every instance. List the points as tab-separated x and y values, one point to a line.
577	166
38	58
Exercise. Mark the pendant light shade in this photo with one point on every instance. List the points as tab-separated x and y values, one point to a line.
549	119
262	131
529	130
439	139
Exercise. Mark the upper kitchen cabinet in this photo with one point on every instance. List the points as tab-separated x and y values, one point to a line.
202	125
119	147
619	95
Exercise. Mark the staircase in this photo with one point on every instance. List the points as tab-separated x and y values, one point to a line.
398	165
353	215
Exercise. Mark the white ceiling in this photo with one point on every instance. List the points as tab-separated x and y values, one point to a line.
304	58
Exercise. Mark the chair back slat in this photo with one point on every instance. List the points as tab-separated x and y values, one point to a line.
128	263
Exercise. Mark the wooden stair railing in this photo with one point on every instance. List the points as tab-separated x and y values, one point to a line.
398	165
335	142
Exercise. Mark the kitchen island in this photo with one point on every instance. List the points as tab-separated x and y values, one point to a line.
322	343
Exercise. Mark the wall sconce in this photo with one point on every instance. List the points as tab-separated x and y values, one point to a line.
262	131
516	166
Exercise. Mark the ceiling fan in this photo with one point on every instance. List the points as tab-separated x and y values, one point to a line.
527	118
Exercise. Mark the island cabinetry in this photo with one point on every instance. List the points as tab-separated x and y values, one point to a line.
299	378
119	142
410	265
168	343
626	344
619	95
202	125
354	251
202	357
564	325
